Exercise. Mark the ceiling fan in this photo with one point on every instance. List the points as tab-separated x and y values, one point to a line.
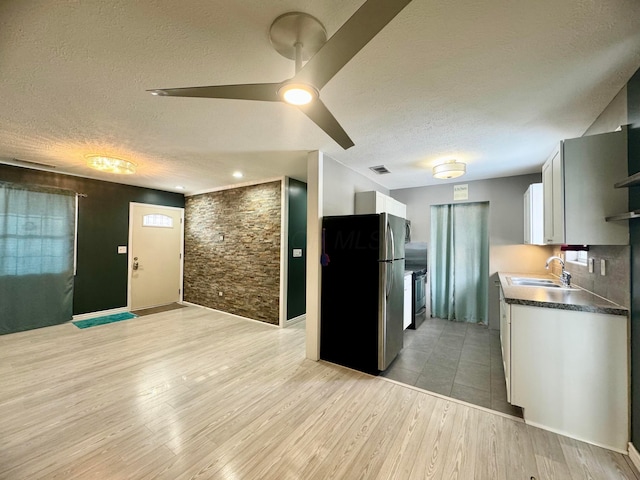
301	37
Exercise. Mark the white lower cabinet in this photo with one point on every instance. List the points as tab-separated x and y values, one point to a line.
505	341
568	370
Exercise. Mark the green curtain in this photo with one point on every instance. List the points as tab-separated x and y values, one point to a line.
37	242
460	262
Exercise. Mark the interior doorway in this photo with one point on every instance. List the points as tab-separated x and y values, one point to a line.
460	262
155	255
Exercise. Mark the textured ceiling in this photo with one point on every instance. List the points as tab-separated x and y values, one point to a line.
494	83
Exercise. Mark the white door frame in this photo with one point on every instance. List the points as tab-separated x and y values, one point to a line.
129	249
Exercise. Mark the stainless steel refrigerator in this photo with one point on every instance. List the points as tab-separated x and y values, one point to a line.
362	290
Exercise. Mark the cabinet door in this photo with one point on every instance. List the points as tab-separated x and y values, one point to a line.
507	349
591	166
533	215
570	373
397	208
553	198
505	341
376	202
527	216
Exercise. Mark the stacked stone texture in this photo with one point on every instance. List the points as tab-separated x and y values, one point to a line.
245	266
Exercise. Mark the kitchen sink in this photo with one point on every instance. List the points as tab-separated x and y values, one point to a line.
537	282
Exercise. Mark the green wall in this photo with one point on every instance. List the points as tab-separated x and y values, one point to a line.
103	224
297	238
633	109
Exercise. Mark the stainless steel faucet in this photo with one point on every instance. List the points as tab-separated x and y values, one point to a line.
566	276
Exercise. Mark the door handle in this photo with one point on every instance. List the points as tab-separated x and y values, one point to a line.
135	263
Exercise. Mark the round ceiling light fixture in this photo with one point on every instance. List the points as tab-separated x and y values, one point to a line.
111	164
449	169
297	93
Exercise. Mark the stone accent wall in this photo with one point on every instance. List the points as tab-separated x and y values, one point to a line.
232	245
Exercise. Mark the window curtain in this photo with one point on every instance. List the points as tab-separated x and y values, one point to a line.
37	242
460	262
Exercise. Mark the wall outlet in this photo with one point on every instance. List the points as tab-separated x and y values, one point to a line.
591	263
219	294
603	269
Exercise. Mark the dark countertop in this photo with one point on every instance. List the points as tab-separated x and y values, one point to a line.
576	299
418	272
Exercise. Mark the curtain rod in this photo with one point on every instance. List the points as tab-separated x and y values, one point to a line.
46	187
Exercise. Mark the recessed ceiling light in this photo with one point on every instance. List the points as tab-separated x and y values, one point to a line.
111	164
179	187
238	174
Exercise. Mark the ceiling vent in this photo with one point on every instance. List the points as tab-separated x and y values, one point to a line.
380	169
17	162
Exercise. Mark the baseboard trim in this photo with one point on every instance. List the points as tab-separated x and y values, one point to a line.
297	319
102	313
575	437
634	456
231	314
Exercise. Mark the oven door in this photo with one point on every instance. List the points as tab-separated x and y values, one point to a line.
419	307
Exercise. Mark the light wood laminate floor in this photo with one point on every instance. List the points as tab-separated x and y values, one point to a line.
195	394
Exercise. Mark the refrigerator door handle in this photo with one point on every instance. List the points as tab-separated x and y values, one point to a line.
393	242
389	281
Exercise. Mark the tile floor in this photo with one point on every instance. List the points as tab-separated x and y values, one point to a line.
460	360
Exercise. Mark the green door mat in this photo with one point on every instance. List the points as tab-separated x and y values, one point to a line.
93	322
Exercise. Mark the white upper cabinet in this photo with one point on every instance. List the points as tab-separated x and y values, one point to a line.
578	191
553	198
533	215
376	202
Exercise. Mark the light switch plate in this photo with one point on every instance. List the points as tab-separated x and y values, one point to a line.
603	270
122	249
297	252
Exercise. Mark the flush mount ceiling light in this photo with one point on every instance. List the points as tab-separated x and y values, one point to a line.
238	175
449	169
111	164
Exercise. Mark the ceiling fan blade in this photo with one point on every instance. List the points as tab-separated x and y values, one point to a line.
320	114
363	25
267	92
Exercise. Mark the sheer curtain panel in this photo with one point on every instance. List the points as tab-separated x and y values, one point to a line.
37	239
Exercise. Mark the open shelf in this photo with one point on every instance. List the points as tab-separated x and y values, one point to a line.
630	181
623	216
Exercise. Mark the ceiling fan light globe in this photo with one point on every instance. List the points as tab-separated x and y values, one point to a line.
296	94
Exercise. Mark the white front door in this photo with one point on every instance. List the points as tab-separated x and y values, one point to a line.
155	255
